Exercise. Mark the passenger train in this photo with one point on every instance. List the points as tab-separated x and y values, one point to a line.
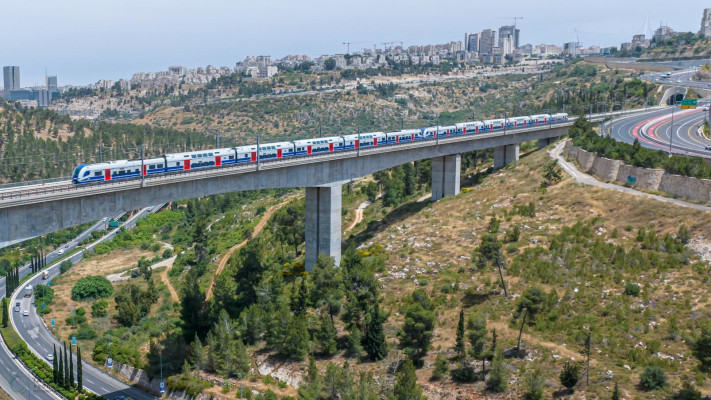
191	160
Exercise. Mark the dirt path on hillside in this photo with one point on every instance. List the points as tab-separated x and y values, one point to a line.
358	215
164	277
257	229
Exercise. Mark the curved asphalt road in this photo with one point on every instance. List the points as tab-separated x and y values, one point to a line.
40	340
654	128
14	378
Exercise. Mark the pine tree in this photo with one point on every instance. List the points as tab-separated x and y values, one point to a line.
406	387
326	336
460	347
71	369
55	371
569	375
498	376
375	344
616	393
477	339
80	373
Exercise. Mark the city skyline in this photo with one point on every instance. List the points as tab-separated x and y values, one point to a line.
104	42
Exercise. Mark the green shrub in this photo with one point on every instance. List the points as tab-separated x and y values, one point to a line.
65	266
632	289
92	287
653	378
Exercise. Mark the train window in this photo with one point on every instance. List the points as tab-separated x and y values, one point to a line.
204	154
97	173
211	154
160	165
194	156
86	173
177	164
231	157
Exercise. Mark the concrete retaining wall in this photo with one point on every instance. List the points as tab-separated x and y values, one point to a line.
647	178
585	159
605	168
683	186
140	378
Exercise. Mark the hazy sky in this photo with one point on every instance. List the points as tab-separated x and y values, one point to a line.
83	41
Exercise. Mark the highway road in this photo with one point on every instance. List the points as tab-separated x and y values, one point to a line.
678	78
14	378
40	340
653	129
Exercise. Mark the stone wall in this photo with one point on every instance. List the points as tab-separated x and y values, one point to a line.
139	378
684	186
605	168
585	159
647	178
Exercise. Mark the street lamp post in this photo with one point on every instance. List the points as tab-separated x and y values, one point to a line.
671	131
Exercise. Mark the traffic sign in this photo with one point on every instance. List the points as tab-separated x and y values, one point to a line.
52	322
110	362
631	179
162	387
74	340
688	104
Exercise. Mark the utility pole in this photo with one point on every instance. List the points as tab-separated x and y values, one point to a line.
671	131
359	141
101	159
257	152
142	166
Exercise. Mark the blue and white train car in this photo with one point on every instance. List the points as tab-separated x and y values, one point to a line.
494	124
350	142
470	127
559	117
401	136
518	122
540	119
372	139
275	151
319	145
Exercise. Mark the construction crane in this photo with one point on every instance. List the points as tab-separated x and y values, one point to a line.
385	44
348	44
513	18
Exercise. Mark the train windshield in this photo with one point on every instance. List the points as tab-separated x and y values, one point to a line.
76	171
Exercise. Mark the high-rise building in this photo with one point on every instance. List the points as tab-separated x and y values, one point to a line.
509	31
51	83
487	41
472	42
706	23
11	79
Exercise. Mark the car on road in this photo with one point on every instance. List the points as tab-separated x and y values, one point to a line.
104	219
26	313
708	147
17	307
60	252
50	357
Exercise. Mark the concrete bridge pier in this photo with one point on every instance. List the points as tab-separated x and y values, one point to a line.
545	142
505	155
323	223
445	176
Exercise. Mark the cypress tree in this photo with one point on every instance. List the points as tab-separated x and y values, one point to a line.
65	379
54	364
5	311
71	369
60	373
459	344
375	344
80	373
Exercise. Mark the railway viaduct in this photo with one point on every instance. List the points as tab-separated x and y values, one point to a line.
36	210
